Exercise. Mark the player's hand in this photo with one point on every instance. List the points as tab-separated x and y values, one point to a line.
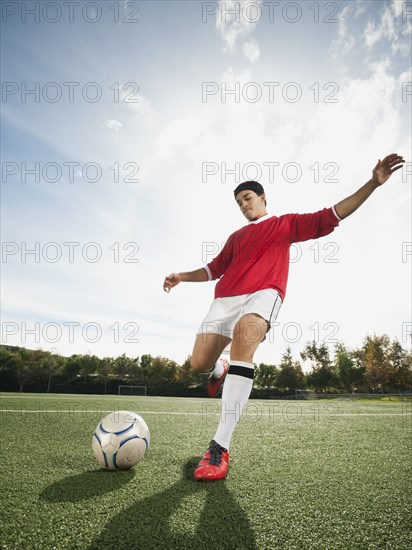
386	167
170	281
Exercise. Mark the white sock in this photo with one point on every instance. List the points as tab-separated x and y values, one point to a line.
236	391
218	370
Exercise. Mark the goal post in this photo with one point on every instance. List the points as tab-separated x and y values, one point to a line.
131	390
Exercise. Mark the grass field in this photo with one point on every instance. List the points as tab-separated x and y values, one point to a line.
310	475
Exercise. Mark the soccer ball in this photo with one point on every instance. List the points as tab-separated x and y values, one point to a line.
120	440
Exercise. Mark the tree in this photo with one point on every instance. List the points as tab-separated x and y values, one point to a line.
163	374
89	365
145	366
374	358
349	374
28	366
321	377
105	370
266	376
72	368
184	375
122	367
8	366
187	377
379	365
290	376
135	373
51	365
401	366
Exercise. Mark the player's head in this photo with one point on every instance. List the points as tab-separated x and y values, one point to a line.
250	196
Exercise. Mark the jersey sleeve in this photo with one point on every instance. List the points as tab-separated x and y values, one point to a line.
303	227
217	267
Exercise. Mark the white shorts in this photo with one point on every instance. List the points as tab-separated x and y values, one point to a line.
224	313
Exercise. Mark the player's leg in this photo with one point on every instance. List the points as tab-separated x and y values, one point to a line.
259	311
207	349
249	332
236	391
205	358
213	336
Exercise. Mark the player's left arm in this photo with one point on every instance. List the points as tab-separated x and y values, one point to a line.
380	174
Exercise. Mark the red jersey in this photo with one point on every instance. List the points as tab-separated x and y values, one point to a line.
256	256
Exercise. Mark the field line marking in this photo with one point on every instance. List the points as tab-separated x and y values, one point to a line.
107	397
327	414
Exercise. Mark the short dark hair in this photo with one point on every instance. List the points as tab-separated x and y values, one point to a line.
250	185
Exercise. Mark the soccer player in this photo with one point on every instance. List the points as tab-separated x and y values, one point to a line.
252	269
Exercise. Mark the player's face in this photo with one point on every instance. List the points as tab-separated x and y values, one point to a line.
251	204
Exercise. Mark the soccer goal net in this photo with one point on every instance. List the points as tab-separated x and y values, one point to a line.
132	390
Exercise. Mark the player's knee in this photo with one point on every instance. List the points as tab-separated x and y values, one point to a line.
250	332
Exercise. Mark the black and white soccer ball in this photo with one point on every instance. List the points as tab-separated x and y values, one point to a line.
120	440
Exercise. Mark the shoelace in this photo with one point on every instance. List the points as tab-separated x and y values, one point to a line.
215	451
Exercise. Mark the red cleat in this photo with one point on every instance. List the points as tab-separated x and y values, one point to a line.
214	384
214	463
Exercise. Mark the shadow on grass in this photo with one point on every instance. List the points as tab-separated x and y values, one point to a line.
187	515
86	485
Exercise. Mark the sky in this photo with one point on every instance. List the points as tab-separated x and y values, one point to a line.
126	127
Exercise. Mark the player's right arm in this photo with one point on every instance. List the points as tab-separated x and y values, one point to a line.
197	276
213	270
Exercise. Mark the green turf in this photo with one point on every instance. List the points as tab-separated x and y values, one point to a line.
321	475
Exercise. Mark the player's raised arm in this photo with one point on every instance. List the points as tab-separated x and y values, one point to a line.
380	174
197	276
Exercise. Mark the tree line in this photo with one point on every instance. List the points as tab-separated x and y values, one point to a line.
380	365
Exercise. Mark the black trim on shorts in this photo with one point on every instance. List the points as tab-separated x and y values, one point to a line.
246	372
274	306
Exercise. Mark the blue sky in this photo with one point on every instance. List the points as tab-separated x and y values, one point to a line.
353	282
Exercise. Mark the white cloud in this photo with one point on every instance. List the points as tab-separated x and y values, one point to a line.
345	40
397	7
251	51
112	124
138	103
364	121
180	133
236	20
364	124
228	132
232	23
374	32
390	27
